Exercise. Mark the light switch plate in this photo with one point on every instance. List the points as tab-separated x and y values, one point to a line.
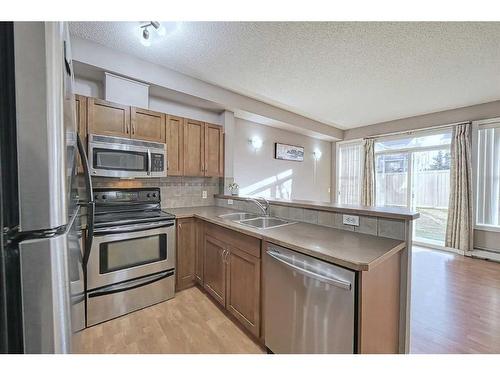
204	194
350	220
229	201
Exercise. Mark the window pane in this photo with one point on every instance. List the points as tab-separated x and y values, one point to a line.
411	142
431	184
488	174
392	179
350	172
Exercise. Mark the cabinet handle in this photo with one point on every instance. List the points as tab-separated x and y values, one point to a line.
180	225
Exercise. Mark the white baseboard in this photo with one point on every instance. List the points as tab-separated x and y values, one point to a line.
484	254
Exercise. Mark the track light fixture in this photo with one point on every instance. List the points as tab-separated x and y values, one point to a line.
145	32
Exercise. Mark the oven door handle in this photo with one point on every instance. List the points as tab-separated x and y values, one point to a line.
134	228
128	285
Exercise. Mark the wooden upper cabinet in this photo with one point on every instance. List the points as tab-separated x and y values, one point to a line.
186	253
175	145
147	125
81	116
214	151
215	269
194	153
243	289
108	118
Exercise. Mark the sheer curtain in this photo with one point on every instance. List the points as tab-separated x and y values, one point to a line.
460	226
488	175
368	188
350	170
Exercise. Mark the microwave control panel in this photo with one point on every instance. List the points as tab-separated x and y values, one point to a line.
157	163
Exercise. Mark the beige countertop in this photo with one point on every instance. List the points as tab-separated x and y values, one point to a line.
385	212
352	250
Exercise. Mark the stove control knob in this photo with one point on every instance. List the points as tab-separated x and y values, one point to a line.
154	195
104	196
148	195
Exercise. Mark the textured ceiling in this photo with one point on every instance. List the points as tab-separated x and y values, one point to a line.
346	74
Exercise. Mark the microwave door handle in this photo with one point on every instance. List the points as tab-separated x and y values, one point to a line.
149	162
90	204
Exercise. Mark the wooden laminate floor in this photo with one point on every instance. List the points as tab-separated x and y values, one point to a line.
188	323
455	309
455	303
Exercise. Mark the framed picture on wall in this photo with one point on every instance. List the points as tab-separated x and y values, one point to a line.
288	152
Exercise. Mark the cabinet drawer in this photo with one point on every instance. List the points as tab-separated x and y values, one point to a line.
248	244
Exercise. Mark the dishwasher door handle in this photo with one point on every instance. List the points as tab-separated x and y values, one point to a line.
335	282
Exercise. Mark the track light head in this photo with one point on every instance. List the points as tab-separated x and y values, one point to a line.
145	33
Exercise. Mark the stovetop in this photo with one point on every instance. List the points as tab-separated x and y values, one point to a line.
128	206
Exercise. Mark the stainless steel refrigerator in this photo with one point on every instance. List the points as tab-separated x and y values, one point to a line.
42	300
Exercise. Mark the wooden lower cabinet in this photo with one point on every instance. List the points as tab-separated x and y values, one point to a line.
232	273
186	253
243	289
215	269
200	246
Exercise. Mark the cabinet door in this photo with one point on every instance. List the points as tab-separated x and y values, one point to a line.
175	145
81	123
214	151
108	118
186	253
243	289
194	154
198	268
215	269
147	125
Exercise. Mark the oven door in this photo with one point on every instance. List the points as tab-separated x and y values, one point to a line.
131	251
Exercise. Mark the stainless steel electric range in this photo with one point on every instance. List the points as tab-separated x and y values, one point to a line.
132	256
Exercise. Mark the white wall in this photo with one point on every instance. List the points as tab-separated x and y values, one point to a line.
87	87
182	110
95	89
258	173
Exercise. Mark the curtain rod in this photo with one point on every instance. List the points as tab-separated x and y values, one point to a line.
409	132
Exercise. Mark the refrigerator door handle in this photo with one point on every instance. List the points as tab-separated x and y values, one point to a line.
90	204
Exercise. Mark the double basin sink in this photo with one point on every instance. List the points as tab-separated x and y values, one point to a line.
256	221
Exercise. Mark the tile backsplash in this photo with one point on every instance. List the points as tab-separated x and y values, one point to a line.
377	226
175	191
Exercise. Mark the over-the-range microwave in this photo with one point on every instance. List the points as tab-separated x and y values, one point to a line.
126	158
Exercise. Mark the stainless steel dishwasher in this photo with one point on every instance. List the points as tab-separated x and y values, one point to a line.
309	304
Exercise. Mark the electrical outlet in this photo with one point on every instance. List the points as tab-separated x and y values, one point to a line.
350	220
204	194
229	201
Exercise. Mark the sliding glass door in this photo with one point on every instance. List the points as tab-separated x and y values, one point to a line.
414	172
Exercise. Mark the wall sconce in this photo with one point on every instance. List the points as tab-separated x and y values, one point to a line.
317	154
256	143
